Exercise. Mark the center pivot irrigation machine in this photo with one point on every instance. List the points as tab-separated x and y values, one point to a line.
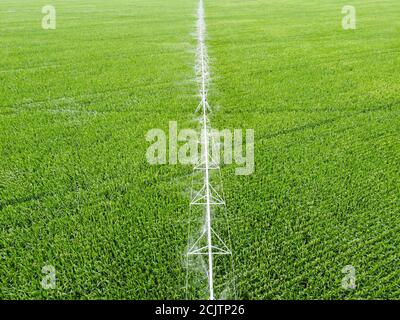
210	270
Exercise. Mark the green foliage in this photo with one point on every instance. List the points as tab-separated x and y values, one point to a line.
325	107
76	191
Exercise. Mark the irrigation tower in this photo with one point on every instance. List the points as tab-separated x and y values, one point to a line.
207	220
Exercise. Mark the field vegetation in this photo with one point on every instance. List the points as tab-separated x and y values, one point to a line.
77	193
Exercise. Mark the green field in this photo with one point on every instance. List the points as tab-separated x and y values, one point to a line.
76	190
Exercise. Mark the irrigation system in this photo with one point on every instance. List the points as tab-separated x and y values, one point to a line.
207	197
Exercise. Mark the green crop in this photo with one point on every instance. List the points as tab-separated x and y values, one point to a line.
76	190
